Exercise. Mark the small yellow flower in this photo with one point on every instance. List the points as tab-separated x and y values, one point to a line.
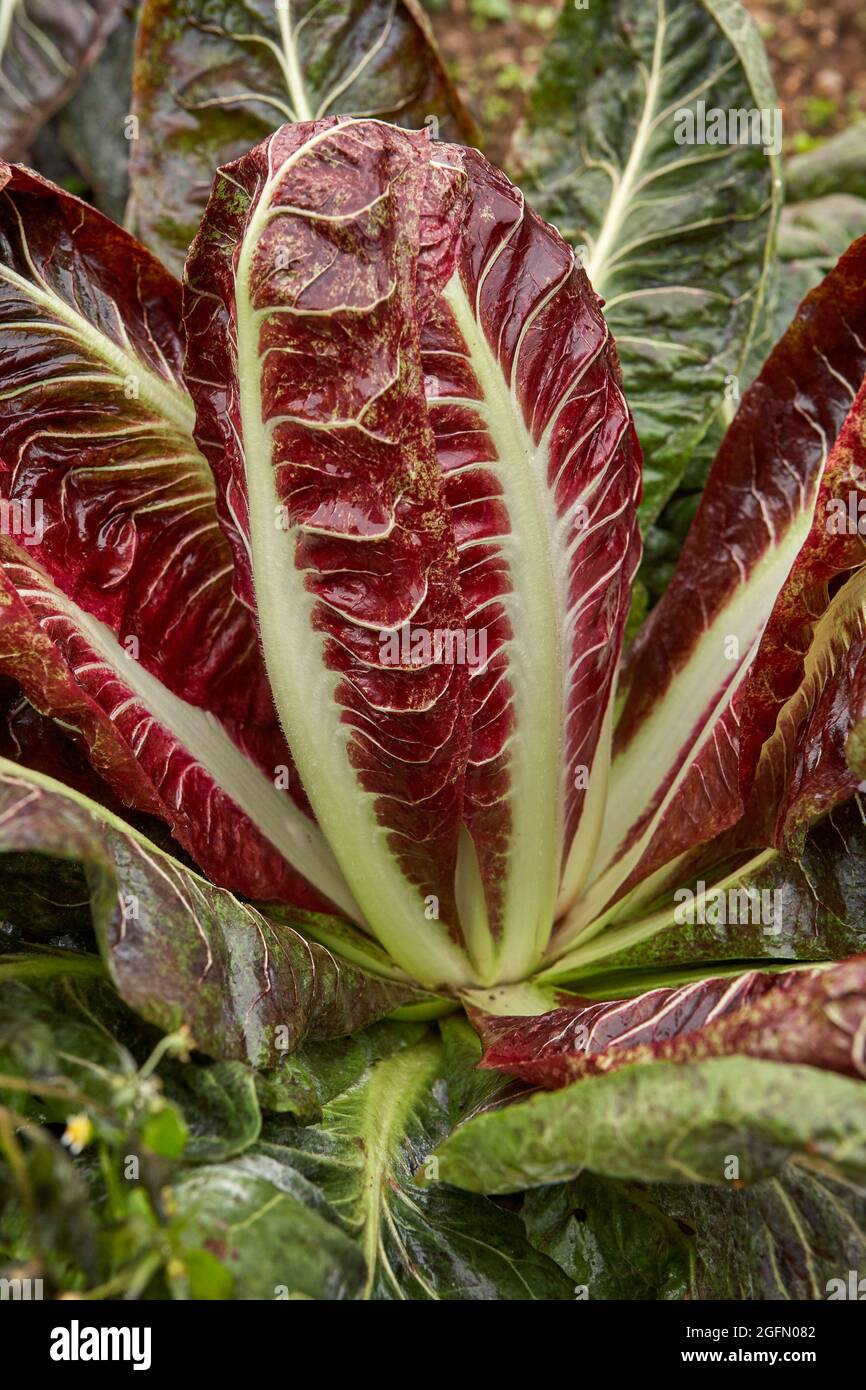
182	1043
78	1133
176	1269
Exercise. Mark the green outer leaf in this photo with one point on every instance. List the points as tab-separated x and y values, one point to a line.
610	1237
786	1238
668	1122
263	1223
588	145
417	1243
837	166
214	77
193	954
319	1072
219	1105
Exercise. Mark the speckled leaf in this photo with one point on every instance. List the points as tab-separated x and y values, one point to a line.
318	1072
263	1222
183	952
796	1236
214	77
671	1122
304	362
677	237
219	1106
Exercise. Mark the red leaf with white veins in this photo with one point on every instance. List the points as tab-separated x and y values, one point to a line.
119	558
706	676
304	363
158	753
542	476
815	1017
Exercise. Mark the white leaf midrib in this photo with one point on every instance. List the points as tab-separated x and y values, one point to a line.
310	714
168	401
198	731
618	207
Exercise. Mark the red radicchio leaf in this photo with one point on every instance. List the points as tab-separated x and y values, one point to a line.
704	681
542	476
304	364
816	1017
118	614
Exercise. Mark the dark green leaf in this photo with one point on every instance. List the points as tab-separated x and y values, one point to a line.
219	1106
677	238
264	1225
611	1238
214	77
795	1236
416	1243
319	1072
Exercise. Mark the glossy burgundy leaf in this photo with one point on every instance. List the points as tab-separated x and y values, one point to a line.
304	363
46	46
805	697
103	479
682	764
36	741
159	754
542	476
816	1017
109	500
808	765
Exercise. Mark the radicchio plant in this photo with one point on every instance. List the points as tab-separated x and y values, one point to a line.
315	578
408	419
